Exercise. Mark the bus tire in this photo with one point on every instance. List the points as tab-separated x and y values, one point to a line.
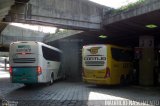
52	79
122	80
128	80
28	85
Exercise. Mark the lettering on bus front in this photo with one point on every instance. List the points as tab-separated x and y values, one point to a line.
23	48
95	58
94	61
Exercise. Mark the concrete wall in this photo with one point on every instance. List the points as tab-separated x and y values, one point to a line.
146	62
71	58
146	67
146	7
5	7
70	13
13	33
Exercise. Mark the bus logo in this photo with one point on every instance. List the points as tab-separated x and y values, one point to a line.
23	48
94	50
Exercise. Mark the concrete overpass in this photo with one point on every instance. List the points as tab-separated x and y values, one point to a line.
59	13
90	16
128	22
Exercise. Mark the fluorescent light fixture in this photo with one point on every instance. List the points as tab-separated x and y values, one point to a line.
151	26
102	36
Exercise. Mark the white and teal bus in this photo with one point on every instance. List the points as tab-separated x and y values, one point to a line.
34	62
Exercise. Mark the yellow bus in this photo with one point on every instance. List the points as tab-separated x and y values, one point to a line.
106	64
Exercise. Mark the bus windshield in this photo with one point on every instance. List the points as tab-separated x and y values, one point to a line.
23	53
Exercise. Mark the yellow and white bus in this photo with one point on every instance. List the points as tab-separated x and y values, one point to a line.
106	64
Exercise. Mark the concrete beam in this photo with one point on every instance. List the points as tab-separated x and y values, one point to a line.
5	7
3	12
147	7
62	13
67	13
17	12
13	33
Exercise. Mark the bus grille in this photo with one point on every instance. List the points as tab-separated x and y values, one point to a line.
24	60
94	63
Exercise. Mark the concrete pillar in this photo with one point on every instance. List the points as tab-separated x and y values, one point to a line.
5	64
146	62
71	58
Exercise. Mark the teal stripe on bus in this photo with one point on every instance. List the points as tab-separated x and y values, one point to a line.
24	75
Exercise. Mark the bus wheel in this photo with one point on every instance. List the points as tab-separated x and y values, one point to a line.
122	80
128	80
52	79
28	85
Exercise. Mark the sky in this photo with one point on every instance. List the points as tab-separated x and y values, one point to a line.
114	3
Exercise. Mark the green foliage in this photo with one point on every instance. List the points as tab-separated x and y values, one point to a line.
129	6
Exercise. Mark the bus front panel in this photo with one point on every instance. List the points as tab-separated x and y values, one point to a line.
95	64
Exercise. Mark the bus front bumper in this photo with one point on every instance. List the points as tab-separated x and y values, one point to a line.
98	81
29	80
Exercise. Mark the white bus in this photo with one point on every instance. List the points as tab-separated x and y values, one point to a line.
34	62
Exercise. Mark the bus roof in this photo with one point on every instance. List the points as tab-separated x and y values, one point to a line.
111	45
40	43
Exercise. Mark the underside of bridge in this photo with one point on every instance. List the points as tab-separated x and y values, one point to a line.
124	26
92	19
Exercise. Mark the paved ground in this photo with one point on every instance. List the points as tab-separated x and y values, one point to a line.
63	93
